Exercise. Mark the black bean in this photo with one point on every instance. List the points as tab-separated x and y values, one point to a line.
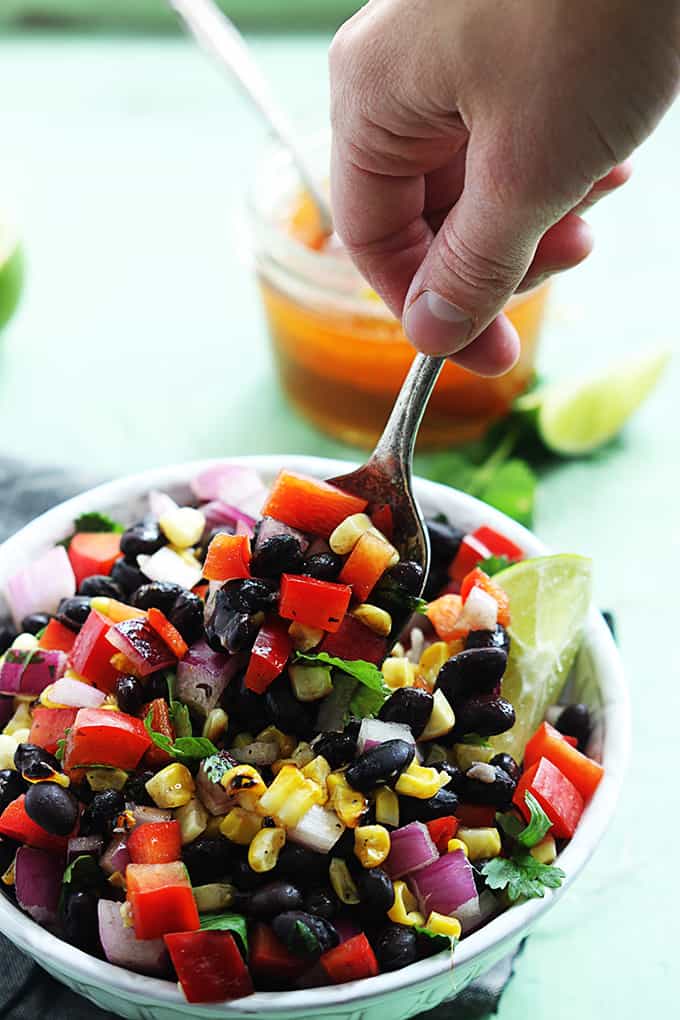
395	947
35	762
208	860
456	775
303	867
410	706
408	575
337	748
156	686
80	921
323	566
477	671
498	638
508	764
322	902
143	538
242	875
102	810
135	790
187	616
127	574
286	712
51	807
497	793
484	715
11	787
280	554
305	934
412	809
157	595
444	540
575	721
7	636
248	596
274	898
375	890
231	632
34	623
101	585
344	848
247	710
130	694
208	535
74	612
381	764
8	849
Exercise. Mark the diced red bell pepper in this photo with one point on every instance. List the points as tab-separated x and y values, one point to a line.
583	772
93	552
350	961
478	579
49	726
101	737
92	652
15	823
353	640
56	637
321	604
572	741
228	558
269	958
269	656
155	843
169	634
476	816
470	552
161	898
443	614
209	966
310	505
366	564
442	830
558	797
497	544
156	757
383	520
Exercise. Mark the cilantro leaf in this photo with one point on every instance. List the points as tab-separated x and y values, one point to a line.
61	745
183	748
494	564
534	831
95	521
441	941
513	490
474	740
398	602
522	876
179	713
370	696
227	922
83	871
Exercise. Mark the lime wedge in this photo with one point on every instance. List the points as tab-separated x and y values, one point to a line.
549	600
11	273
577	417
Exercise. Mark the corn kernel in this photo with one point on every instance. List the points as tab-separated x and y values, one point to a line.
106	779
213	896
115	610
442	718
443	925
398	672
193	820
376	619
302	755
398	650
348	804
348	533
245	785
467	755
432	660
310	683
545	851
289	797
21	736
215	724
418	781
126	915
21	720
183	526
285	743
7	877
404	910
318	770
281	763
342	882
263	852
387	807
172	787
124	665
456	844
242	739
240	826
8	746
212	829
481	842
304	638
371	845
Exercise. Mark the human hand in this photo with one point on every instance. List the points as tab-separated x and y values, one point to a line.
467	137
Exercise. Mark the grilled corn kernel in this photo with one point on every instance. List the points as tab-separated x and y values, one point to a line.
245	786
240	826
115	610
371	845
404	910
310	683
281	763
216	723
387	807
348	804
443	925
193	820
456	844
212	829
263	852
106	779
214	896
432	660
318	770
290	796
442	718
8	746
24	643
348	533
182	526
342	881
302	755
466	755
376	619
285	743
418	781
172	787
242	739
482	842
398	672
304	638
8	877
21	720
545	851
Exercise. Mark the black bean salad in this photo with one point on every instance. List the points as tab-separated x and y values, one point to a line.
240	751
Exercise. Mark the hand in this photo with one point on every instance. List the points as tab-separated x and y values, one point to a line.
467	137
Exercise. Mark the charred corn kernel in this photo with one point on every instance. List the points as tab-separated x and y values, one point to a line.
302	755
263	852
348	533
245	785
310	683
304	638
21	720
342	882
172	787
106	779
212	829
8	746
215	724
466	755
371	845
432	660
443	925
442	718
404	910
418	781
183	526
240	826
290	796
115	610
387	807
318	770
24	643
348	804
285	743
398	672
545	852
456	844
214	896
117	880
242	739
482	842
376	619
126	915
193	820
8	877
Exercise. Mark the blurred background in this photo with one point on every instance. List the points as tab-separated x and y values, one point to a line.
140	338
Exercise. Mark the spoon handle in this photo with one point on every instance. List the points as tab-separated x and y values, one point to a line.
396	444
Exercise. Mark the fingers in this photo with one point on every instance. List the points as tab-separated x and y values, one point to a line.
495	350
615	179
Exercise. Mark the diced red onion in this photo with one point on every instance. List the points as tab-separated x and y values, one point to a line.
411	848
319	829
79	845
30	672
144	956
244	529
222	515
202	676
143	814
471	919
480	611
445	885
269	527
40	586
160	503
166	565
37	883
76	694
469	914
260	752
236	484
373	732
115	857
141	645
212	795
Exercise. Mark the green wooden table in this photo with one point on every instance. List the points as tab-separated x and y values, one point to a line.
140	341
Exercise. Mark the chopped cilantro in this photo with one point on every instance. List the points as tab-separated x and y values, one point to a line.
95	521
183	748
522	876
370	696
474	740
531	834
227	922
494	564
441	941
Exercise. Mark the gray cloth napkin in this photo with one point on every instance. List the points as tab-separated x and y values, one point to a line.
26	991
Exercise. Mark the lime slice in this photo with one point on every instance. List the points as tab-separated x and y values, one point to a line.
577	417
549	600
11	273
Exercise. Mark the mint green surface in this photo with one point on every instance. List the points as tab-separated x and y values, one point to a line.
140	341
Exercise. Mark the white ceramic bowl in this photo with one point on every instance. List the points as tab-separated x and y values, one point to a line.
598	681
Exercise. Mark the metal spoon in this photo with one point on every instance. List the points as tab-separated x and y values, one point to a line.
386	478
220	38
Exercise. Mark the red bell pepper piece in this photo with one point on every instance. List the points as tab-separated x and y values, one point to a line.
353	640
478	579
161	898
15	823
366	564
228	558
476	816
156	757
269	656
100	737
497	544
583	772
310	505
321	604
155	843
442	830
350	961
443	614
93	552
169	634
270	960
572	741
49	726
92	652
56	637
558	797
209	966
470	552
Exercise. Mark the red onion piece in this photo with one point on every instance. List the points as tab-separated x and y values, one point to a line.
269	527
143	814
76	694
202	676
37	883
445	885
141	645
236	484
79	845
25	672
222	515
373	732
144	956
160	503
115	857
244	529
40	586
469	915
411	849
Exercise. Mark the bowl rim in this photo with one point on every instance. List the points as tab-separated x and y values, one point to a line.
54	524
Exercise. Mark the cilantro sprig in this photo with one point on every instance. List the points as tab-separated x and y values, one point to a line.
494	564
235	923
522	876
372	692
536	828
184	749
